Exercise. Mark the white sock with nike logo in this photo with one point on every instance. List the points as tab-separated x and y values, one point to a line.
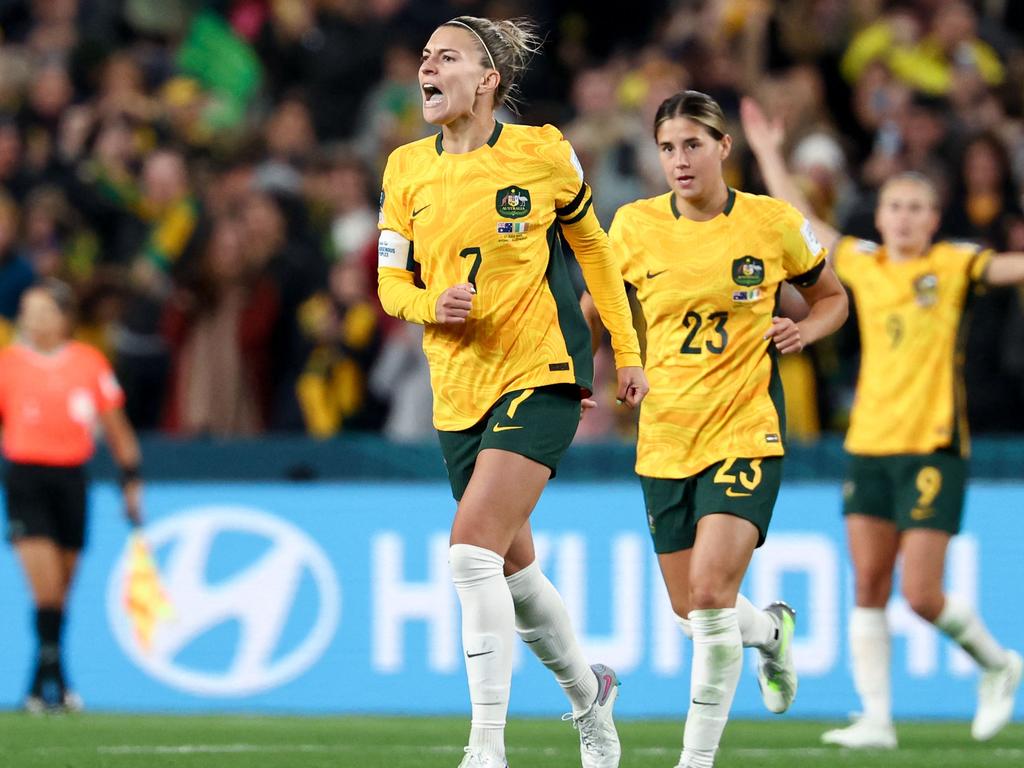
543	624
717	663
488	631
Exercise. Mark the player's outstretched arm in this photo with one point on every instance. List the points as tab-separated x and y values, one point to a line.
1005	269
765	139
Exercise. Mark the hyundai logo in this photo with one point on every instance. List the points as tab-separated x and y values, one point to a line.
256	602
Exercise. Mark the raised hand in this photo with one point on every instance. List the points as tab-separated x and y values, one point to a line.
764	135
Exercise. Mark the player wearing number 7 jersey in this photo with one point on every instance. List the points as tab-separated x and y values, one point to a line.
481	209
908	432
708	264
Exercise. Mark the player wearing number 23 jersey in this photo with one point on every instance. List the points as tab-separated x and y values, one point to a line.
708	263
708	290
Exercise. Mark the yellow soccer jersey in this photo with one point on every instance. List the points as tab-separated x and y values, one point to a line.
493	217
910	396
707	291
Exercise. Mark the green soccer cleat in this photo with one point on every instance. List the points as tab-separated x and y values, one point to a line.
776	672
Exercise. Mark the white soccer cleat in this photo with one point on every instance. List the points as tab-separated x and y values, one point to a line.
776	672
996	692
72	702
599	741
477	758
862	734
34	705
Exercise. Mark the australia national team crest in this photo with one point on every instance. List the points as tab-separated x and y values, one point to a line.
926	290
512	202
748	270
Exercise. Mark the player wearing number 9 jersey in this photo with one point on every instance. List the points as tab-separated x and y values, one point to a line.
908	432
708	263
481	209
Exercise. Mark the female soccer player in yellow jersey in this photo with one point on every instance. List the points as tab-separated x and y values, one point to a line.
509	352
908	433
708	263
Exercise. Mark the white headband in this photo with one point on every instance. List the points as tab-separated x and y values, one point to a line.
486	49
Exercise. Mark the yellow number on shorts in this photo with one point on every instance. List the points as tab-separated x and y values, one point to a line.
748	481
722	476
929	483
751	481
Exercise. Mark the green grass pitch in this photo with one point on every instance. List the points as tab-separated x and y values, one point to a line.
127	741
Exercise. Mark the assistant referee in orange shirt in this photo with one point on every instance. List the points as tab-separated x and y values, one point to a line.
53	391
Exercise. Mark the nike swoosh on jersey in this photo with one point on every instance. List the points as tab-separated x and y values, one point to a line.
652	275
735	494
499	428
417	211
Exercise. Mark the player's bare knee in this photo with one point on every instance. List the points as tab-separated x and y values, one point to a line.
710	595
924	601
873	589
680	606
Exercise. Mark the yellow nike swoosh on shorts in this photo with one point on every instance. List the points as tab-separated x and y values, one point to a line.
735	494
499	428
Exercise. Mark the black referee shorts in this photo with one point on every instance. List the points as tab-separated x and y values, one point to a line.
46	502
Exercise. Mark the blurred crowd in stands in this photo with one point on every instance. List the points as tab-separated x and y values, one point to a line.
205	174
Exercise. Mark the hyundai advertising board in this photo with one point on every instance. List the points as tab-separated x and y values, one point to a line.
334	598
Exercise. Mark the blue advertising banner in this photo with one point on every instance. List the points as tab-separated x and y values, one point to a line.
332	598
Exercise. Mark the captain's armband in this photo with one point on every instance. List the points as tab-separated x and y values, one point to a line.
392	250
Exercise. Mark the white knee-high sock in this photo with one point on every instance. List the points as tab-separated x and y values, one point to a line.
543	624
757	629
961	623
488	631
870	652
717	662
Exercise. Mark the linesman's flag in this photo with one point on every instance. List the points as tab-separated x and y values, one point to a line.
145	600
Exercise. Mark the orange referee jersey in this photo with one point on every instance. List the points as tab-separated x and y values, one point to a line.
49	402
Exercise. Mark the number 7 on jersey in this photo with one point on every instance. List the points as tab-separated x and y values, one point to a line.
465	253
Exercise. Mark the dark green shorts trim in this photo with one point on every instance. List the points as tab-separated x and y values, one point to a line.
746	488
536	423
911	490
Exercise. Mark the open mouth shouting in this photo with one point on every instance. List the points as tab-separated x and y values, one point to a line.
432	96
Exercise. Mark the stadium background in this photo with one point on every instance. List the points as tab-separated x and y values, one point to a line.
205	175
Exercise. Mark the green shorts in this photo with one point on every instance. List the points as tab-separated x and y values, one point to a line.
536	423
746	488
911	490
